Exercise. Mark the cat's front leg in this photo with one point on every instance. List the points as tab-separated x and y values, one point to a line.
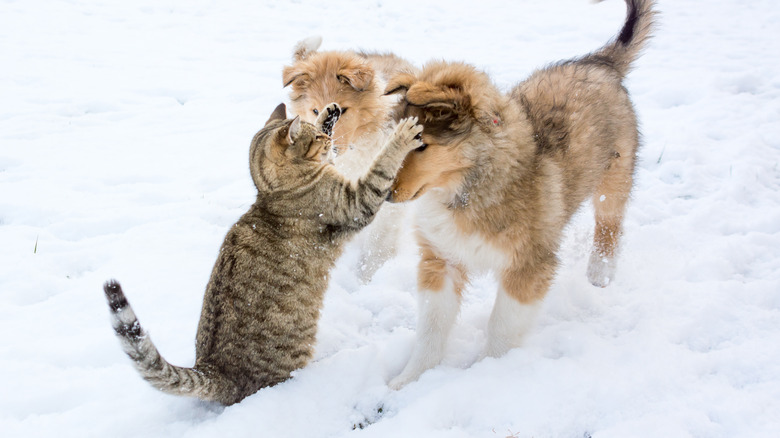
354	203
406	138
328	118
372	189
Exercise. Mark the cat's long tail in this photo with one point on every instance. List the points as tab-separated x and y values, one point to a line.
152	366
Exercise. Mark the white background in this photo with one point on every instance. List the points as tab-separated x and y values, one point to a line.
124	135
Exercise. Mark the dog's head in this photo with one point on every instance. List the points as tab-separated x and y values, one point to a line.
319	78
459	109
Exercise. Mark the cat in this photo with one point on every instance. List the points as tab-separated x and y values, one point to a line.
262	303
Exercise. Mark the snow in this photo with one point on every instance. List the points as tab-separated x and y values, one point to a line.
124	131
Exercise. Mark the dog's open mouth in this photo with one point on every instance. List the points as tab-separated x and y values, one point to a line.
419	192
392	196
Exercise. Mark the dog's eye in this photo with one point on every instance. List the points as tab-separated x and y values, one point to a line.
316	112
344	111
422	148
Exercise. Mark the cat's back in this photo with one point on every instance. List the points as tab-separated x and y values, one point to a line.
288	248
262	302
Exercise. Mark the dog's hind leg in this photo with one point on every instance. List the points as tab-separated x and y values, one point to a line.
609	202
440	286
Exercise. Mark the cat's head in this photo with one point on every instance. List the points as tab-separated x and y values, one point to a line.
285	149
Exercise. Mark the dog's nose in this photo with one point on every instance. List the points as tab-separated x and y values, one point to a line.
389	197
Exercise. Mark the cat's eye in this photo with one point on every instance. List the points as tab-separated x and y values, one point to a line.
316	112
422	148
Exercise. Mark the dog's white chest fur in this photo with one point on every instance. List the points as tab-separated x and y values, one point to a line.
435	222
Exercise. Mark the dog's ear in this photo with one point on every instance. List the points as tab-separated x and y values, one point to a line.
294	74
306	47
440	112
280	113
440	104
357	75
399	84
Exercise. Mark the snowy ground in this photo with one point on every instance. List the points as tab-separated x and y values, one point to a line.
124	131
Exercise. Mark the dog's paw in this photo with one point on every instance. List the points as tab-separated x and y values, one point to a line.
328	117
601	269
399	382
408	134
410	374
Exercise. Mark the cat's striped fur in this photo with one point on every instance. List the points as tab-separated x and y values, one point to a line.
262	303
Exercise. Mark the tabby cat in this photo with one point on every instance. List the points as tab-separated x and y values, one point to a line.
263	300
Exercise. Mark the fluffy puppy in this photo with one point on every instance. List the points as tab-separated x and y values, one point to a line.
356	81
500	175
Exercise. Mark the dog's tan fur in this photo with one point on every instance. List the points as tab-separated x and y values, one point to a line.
356	81
500	176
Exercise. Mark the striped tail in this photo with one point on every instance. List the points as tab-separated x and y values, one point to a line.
625	49
152	366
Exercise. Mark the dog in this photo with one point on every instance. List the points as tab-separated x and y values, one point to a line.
499	176
356	81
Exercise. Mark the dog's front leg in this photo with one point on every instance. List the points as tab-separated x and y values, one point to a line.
517	303
440	286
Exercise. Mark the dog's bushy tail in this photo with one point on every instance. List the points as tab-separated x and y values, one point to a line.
625	48
151	365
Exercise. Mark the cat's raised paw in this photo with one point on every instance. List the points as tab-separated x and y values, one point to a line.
328	117
409	133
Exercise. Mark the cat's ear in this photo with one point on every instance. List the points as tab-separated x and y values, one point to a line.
280	113
294	130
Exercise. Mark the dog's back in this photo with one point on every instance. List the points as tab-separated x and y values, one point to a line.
577	104
582	118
